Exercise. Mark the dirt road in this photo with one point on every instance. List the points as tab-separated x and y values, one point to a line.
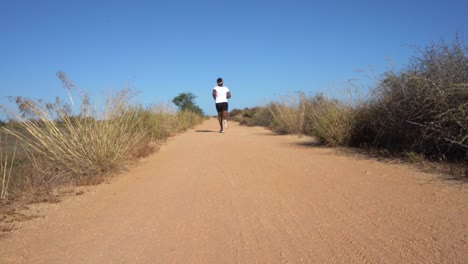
248	196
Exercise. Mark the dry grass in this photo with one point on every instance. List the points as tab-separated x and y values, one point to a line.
422	109
66	146
289	114
73	147
329	121
419	113
7	159
162	122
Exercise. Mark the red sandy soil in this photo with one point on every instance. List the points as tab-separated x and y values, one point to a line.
249	196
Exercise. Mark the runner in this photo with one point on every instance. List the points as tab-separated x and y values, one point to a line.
221	94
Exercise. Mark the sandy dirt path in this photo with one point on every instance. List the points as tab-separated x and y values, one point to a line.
248	196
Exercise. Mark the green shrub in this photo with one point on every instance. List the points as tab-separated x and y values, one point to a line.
245	116
186	103
235	112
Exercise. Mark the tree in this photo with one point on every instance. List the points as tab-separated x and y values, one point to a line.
185	102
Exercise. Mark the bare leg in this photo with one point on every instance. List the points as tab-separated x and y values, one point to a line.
225	115
220	119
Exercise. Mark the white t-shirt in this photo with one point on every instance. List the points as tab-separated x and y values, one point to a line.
221	94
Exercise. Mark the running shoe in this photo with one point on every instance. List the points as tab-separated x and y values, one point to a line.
226	124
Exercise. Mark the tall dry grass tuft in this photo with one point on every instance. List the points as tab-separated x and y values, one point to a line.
330	121
7	160
187	119
289	114
158	122
76	146
162	122
17	172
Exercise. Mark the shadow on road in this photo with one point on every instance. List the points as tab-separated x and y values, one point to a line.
454	172
312	143
204	131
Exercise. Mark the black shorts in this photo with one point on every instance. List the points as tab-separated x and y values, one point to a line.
220	107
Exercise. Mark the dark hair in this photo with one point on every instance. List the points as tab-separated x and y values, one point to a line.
220	80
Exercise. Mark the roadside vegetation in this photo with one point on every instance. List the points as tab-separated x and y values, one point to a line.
80	142
419	113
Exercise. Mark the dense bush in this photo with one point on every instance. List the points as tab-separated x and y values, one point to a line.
263	117
422	109
246	116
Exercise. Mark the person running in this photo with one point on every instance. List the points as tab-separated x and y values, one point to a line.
221	94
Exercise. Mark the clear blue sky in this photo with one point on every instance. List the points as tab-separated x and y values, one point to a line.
263	49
